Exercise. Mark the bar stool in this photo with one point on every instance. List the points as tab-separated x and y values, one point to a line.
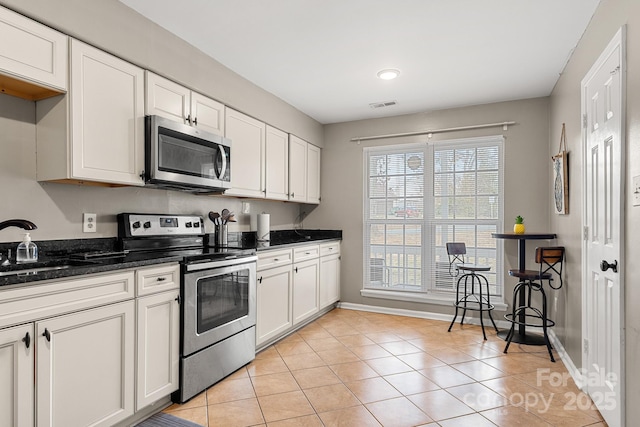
551	261
471	298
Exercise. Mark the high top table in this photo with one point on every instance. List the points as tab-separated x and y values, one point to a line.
522	337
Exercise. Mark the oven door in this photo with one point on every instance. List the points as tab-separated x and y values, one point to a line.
219	301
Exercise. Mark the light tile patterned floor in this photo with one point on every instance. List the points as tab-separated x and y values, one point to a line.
354	368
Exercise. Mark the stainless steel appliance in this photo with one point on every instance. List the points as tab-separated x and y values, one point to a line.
218	290
183	157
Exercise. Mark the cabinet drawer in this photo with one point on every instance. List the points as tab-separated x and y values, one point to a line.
275	258
306	252
330	248
26	304
157	279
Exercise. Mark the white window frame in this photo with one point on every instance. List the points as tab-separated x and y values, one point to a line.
430	294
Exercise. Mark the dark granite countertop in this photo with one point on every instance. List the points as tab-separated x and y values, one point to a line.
58	258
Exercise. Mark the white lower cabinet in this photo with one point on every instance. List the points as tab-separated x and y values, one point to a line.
306	278
158	344
275	289
17	389
85	367
85	351
294	285
329	273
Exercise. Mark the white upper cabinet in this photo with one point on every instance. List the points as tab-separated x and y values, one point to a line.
313	174
105	118
277	164
31	52
304	171
297	169
247	154
170	100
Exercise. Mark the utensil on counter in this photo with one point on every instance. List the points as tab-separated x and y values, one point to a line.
214	217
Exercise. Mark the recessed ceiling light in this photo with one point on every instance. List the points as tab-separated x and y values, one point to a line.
388	74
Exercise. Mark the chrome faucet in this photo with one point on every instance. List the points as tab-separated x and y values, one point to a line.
20	223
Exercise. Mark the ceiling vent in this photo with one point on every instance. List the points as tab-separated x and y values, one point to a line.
382	104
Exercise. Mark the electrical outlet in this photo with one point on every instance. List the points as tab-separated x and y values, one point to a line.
89	222
636	190
246	207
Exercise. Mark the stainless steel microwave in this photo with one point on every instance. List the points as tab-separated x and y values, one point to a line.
183	157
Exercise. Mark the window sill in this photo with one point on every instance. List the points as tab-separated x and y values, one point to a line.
424	298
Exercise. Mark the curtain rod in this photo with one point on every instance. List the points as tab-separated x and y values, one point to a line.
430	132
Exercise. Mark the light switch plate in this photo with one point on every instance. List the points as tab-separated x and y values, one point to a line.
89	223
636	190
246	207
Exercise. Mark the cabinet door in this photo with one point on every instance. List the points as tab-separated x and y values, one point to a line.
158	347
166	98
277	164
313	174
274	303
305	290
247	154
16	376
85	367
107	117
207	114
31	51
329	280
297	169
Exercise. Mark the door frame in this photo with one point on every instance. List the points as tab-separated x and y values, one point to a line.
618	41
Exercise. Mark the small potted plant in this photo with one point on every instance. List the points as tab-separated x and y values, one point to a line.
518	227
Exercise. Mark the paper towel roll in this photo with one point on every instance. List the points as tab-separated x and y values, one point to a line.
263	227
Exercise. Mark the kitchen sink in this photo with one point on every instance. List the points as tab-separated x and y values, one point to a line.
40	267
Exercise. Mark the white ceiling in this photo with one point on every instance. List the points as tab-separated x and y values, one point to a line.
322	56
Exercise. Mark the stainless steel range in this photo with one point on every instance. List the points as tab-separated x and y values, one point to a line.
218	288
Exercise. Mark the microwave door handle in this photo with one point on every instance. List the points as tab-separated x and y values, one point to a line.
223	169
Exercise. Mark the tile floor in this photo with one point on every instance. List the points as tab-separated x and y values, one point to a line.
353	368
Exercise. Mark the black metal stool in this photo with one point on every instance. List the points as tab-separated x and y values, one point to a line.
474	300
551	261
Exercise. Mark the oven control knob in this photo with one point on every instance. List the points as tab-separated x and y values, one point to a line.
136	224
187	224
147	224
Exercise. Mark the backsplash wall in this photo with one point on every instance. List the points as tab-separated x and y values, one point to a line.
57	208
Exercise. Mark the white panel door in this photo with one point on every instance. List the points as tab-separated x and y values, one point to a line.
275	291
207	114
603	287
247	154
107	117
16	376
277	164
166	98
158	323
297	169
85	367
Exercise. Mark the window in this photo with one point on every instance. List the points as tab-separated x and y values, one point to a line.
418	197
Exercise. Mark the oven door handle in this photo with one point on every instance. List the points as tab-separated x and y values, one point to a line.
227	262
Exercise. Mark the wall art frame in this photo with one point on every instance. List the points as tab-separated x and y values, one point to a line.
561	176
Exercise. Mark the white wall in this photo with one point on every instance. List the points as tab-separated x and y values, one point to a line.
565	108
527	178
